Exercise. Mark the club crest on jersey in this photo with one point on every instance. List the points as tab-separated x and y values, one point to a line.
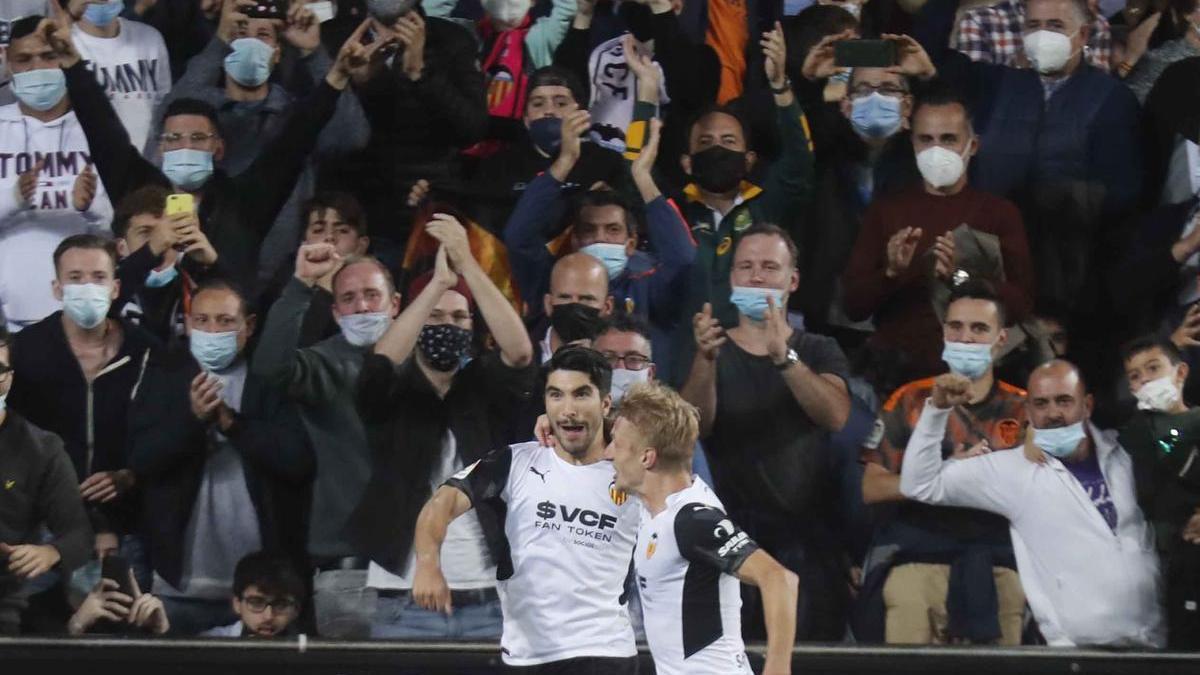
618	496
652	546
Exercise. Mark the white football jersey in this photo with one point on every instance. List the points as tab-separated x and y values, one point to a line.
691	603
570	540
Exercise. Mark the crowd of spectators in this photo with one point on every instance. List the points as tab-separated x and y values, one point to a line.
273	272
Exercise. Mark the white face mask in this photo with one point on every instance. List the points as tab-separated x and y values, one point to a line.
941	167
1048	51
1159	395
508	11
623	379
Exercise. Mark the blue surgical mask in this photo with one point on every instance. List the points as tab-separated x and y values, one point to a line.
105	13
213	351
1059	441
249	64
613	257
3	404
752	300
160	278
546	133
187	168
875	116
40	89
969	359
362	330
86	304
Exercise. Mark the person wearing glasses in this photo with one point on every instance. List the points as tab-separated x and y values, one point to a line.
865	154
236	208
39	485
268	595
917	244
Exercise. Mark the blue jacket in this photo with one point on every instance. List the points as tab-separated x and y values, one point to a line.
649	287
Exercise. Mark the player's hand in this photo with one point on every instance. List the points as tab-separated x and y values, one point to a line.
820	64
543	431
944	259
205	396
950	390
430	590
1187	335
418	194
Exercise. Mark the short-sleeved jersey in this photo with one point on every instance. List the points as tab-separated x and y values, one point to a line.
691	603
570	538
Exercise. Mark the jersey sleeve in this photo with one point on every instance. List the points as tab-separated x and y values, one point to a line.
706	535
486	479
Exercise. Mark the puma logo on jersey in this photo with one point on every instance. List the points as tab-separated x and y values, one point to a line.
539	474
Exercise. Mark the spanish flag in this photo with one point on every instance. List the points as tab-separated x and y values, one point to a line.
485	247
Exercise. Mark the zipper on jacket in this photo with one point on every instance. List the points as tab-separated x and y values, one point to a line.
91	417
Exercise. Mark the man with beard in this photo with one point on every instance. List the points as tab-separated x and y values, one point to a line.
567	530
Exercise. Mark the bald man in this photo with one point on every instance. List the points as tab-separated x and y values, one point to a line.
577	301
1084	551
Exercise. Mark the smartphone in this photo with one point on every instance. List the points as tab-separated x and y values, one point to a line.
266	9
180	202
117	568
864	53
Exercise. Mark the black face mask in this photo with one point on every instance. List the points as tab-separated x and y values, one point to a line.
638	19
574	321
719	169
444	345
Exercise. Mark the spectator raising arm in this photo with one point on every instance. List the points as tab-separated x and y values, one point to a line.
398	342
505	324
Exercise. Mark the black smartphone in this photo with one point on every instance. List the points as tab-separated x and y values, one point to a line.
266	9
864	53
117	568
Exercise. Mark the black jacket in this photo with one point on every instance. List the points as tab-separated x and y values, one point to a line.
169	448
50	391
159	311
406	421
236	212
417	128
40	488
1172	110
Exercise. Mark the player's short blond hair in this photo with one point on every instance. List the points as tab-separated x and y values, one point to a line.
666	422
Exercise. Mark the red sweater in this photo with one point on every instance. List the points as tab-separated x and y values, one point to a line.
904	316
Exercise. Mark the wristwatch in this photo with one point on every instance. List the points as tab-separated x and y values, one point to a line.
790	360
787	86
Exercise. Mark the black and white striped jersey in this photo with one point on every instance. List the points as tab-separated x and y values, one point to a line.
570	538
691	603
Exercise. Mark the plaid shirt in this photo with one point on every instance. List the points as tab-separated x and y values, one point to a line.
993	35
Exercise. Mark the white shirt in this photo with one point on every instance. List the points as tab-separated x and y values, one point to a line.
134	70
1086	584
570	544
466	564
691	604
30	232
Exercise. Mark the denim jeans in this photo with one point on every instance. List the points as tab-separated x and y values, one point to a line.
344	605
398	617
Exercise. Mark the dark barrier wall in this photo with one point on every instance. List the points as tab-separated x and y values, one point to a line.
184	657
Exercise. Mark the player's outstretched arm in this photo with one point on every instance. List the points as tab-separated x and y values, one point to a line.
780	590
429	586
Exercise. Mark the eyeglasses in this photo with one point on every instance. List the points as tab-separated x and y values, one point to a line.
195	138
631	361
259	604
884	89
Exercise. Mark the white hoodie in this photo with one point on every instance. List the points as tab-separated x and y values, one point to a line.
29	233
